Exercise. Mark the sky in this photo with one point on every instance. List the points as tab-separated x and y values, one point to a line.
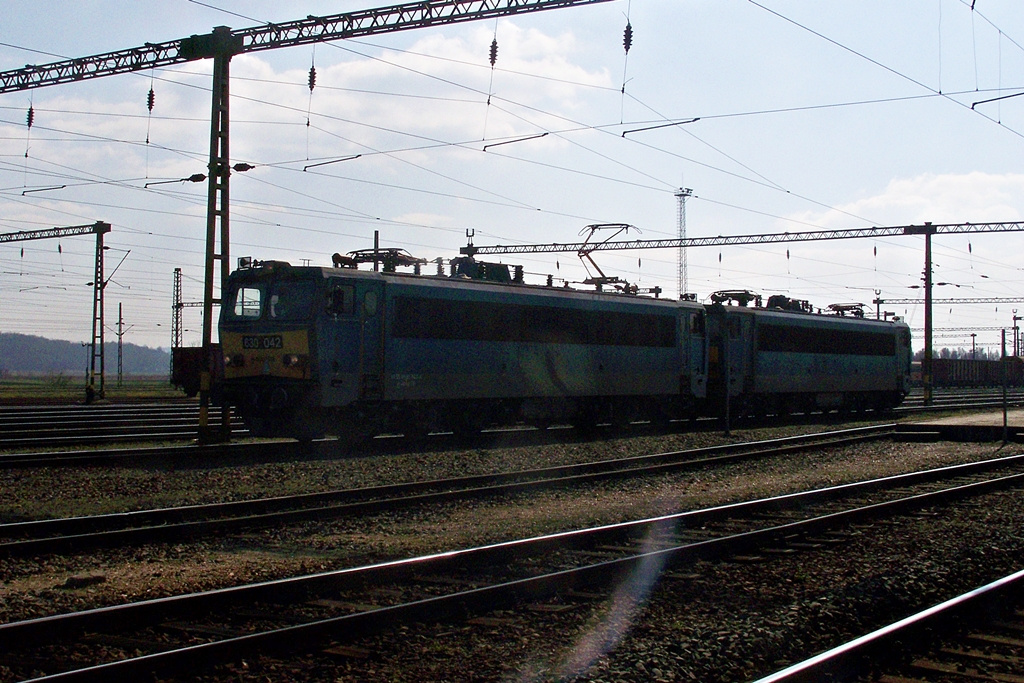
809	116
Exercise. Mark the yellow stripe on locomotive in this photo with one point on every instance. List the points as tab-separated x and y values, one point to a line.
275	354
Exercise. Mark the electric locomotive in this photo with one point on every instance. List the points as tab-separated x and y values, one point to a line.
785	358
313	350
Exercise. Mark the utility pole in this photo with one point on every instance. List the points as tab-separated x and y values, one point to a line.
120	335
121	331
223	47
1016	336
926	362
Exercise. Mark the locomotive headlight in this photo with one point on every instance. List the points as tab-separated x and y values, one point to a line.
291	360
235	361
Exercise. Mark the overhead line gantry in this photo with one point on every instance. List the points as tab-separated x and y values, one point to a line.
221	45
979	300
98	283
764	238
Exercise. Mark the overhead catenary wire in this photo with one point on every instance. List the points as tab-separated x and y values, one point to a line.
888	68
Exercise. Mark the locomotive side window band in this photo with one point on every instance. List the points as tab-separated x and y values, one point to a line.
787	339
421	318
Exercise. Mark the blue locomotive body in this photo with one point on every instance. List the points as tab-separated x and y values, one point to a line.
408	353
776	361
314	350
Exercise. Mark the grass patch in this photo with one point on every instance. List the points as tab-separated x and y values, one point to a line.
62	388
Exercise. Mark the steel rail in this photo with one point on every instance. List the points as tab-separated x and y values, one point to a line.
850	659
472	601
176	523
190	455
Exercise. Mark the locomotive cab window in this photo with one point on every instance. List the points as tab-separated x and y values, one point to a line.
341	300
247	302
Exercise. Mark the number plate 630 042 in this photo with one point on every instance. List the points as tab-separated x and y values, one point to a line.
262	342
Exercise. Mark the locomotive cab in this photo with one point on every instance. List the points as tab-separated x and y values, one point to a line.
266	333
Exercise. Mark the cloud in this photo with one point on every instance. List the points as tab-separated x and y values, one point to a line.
975	197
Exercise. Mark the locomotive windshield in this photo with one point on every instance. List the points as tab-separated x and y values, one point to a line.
278	300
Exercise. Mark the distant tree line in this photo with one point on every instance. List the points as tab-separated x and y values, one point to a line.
24	353
981	353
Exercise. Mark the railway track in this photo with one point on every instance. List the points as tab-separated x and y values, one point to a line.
24	427
960	399
179	523
34	427
179	634
973	636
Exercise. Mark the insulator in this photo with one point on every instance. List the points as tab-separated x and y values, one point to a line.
494	51
242	167
312	78
150	99
627	37
31	116
196	178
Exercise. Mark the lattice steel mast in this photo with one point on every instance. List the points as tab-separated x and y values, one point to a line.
682	279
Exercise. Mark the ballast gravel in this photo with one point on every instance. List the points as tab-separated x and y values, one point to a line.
720	622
